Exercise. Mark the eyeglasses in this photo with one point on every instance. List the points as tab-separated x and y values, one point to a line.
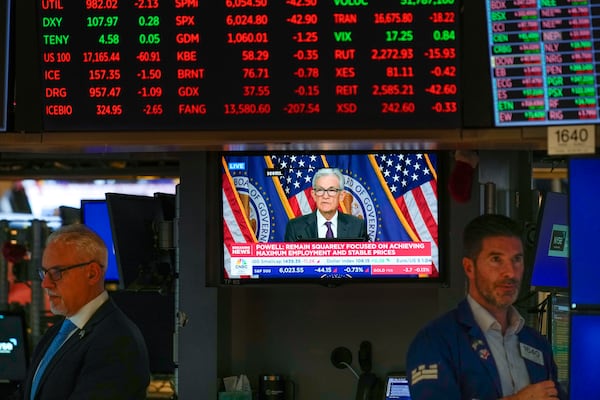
57	272
331	191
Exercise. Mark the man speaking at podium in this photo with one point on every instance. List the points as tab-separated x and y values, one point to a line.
327	222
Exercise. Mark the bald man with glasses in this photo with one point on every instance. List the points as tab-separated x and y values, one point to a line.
326	222
101	352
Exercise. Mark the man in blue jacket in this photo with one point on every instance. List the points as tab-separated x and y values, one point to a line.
482	349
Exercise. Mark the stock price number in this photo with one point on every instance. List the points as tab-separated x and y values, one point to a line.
445	107
101	4
415	270
302	108
103	91
109	38
246	109
354	270
153	109
109	109
324	270
291	270
396	107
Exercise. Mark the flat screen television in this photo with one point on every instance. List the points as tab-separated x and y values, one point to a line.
397	195
94	214
551	262
135	222
584	217
584	356
14	350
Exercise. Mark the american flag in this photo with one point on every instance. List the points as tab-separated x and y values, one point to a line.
411	179
296	179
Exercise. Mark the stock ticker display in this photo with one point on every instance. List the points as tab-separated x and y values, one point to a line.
249	64
544	61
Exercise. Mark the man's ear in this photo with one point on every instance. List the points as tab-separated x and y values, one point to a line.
94	272
468	266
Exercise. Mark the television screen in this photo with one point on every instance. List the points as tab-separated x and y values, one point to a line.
13	347
584	356
584	217
135	222
388	217
551	262
94	214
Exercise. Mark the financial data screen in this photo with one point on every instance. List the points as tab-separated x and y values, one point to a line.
544	61
249	64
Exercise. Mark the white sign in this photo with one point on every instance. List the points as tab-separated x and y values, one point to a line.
571	139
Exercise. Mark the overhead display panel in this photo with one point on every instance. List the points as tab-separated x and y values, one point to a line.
5	61
544	61
249	64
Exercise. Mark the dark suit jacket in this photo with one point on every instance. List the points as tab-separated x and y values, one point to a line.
305	227
107	359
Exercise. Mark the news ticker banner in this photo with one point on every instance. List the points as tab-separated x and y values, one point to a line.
325	259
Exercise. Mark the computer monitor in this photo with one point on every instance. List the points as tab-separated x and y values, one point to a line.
584	231
14	354
551	263
584	356
134	220
396	387
94	214
558	334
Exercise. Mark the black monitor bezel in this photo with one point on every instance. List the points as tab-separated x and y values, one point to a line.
443	161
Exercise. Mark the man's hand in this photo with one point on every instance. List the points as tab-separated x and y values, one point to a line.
537	391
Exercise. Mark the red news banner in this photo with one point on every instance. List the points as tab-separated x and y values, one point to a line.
384	258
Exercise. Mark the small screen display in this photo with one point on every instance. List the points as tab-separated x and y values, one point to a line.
396	388
551	264
13	347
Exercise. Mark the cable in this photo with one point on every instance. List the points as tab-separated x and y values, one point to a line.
350	368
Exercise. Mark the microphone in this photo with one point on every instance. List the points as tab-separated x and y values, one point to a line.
364	356
341	357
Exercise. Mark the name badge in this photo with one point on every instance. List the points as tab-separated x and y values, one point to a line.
531	354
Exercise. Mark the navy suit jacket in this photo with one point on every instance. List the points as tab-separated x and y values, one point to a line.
305	227
450	359
107	359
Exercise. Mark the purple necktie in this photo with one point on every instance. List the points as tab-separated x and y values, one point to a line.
329	233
